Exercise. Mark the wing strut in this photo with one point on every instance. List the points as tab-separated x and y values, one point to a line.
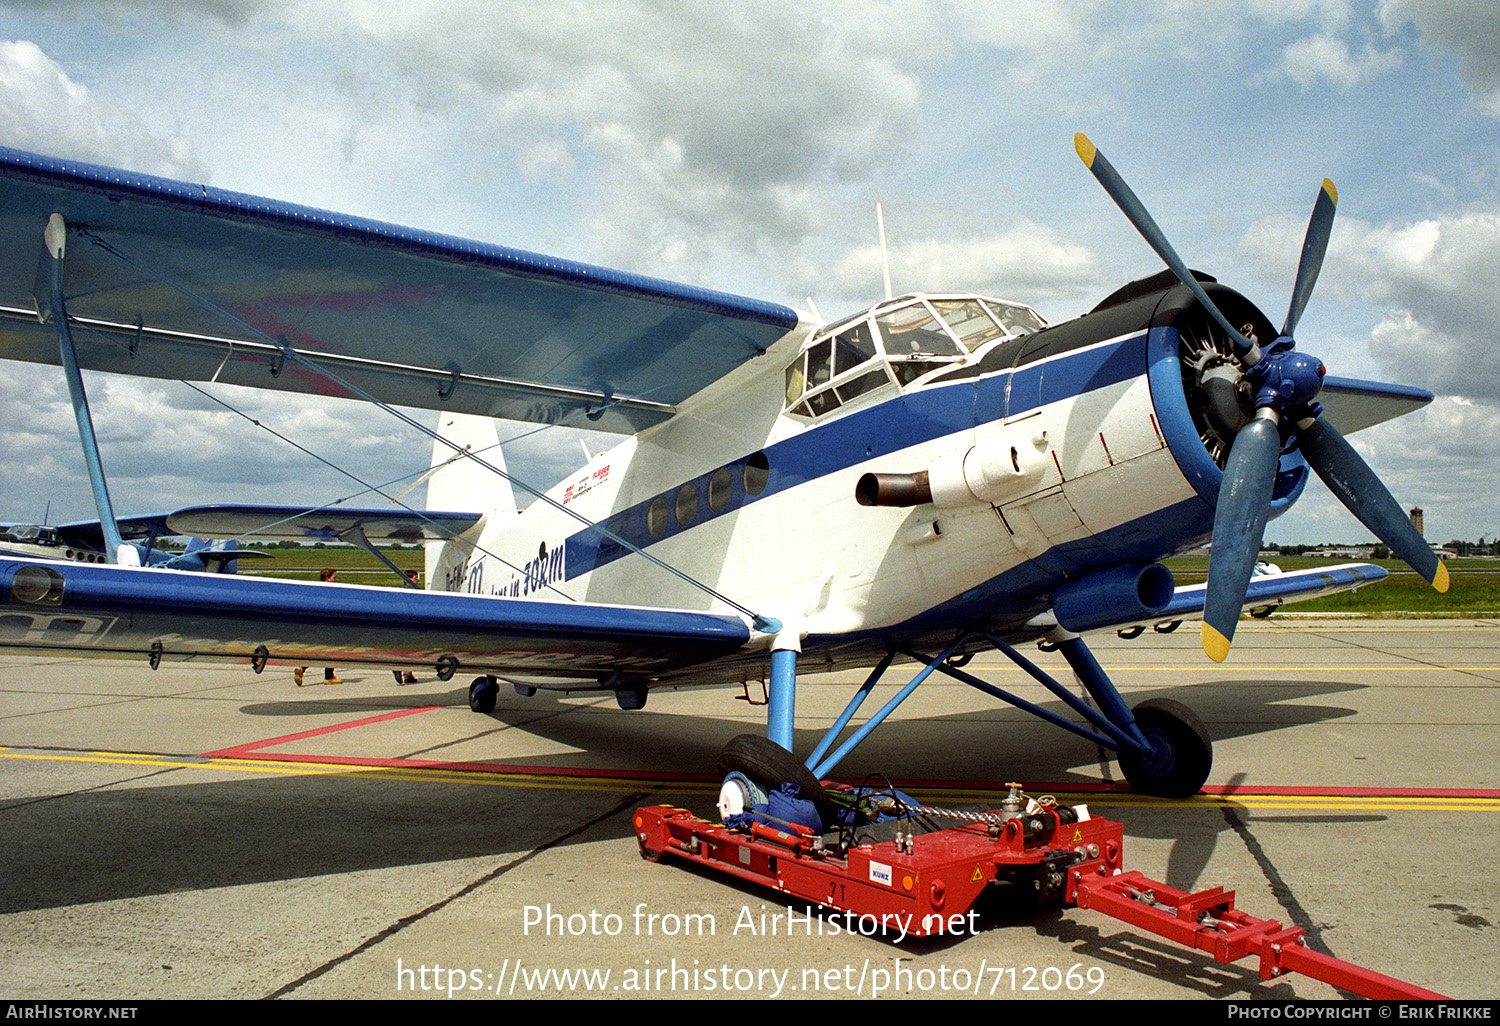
50	306
357	535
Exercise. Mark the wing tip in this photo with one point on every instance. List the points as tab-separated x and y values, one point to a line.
1215	645
1332	192
1440	578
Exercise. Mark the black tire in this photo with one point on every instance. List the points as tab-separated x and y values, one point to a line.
1181	755
767	763
482	695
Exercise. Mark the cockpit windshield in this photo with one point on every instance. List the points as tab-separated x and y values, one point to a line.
894	344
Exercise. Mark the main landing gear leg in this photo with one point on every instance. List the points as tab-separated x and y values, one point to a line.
754	767
781	713
1171	754
1163	749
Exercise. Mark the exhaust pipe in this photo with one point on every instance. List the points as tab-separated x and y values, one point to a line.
893	490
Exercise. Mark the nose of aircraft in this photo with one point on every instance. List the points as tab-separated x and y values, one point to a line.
1285	386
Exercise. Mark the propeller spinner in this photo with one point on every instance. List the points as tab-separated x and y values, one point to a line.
1284	384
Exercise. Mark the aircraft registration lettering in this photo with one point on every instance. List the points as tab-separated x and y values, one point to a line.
546	569
42	628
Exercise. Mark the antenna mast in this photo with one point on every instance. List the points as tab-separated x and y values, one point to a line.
885	257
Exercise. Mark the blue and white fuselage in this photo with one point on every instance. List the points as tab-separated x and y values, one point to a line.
1046	455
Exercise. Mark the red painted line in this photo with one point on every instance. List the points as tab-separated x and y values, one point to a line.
484	767
608	773
242	750
251	750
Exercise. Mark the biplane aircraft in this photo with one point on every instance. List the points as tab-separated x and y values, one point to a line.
935	475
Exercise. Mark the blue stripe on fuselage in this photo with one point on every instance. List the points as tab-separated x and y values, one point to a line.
900	423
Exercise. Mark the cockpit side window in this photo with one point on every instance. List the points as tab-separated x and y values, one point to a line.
834	370
820	363
796	377
852	347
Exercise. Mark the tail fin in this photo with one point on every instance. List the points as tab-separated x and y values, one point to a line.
459	483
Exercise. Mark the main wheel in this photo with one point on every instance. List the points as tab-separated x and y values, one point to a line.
766	762
482	694
1181	753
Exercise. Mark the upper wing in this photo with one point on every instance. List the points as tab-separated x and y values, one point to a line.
169	279
108	611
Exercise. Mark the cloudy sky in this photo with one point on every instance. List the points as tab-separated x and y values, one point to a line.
743	146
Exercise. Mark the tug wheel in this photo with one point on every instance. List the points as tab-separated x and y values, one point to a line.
482	694
766	762
1181	753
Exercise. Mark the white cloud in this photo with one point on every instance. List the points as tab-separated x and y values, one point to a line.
1436	280
1430	283
1326	58
1026	263
709	121
1466	28
42	108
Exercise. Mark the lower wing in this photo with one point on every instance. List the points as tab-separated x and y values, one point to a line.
162	615
1271	589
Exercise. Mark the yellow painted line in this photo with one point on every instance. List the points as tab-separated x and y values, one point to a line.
1283	667
1206	669
429	774
935	796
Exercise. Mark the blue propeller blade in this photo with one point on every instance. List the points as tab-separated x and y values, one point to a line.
1313	248
1136	212
1239	522
1350	478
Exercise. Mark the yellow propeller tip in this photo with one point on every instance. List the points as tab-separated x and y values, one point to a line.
1333	193
1215	645
1440	579
1085	149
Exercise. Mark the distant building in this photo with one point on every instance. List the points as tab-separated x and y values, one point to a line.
1344	552
1416	519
